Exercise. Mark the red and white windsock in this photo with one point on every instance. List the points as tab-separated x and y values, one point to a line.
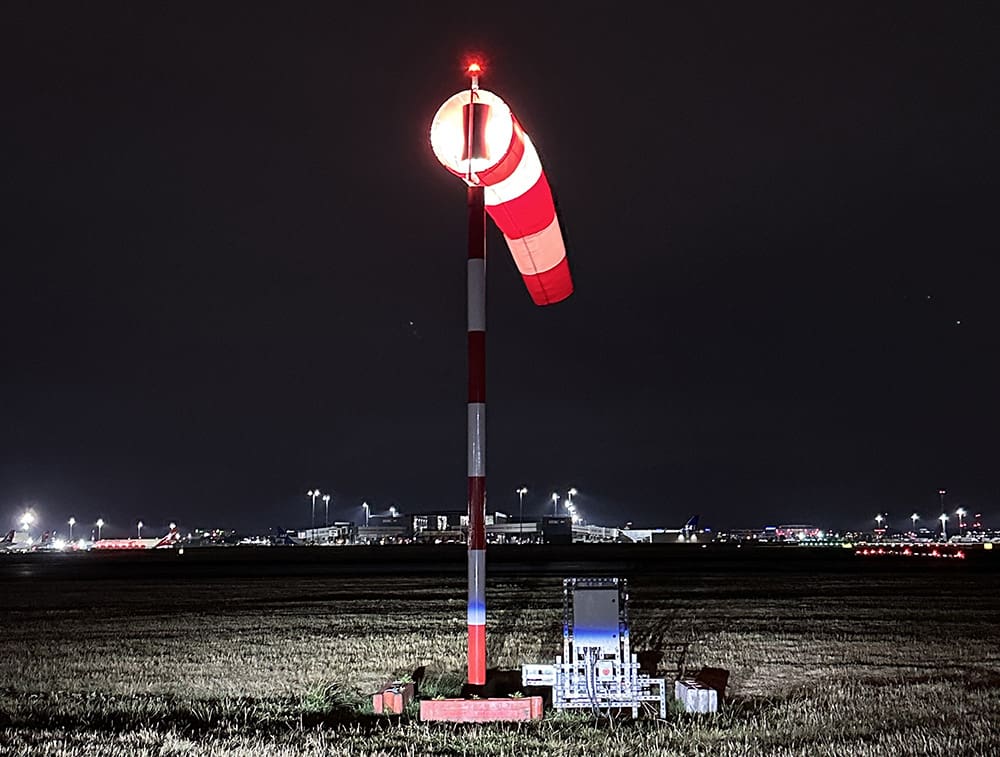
476	137
518	197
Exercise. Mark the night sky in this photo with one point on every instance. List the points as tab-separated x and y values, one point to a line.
233	269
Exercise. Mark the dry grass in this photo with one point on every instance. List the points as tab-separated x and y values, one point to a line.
883	664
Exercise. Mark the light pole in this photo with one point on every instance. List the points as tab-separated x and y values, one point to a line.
878	521
364	505
71	522
100	525
138	530
555	503
944	526
313	493
326	510
960	513
569	499
914	518
520	519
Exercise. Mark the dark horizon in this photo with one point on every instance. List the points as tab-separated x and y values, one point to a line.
235	271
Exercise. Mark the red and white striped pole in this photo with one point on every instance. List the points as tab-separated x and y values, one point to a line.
477	435
476	137
477	406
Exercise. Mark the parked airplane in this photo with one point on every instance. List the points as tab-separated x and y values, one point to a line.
282	538
15	542
689	528
164	542
686	533
19	541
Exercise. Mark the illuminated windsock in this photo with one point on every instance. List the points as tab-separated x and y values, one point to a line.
518	198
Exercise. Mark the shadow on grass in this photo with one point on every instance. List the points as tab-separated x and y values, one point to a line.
123	714
740	706
969	677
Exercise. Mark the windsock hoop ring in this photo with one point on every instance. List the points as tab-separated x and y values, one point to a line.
517	193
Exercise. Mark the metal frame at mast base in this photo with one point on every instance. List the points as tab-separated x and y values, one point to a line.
597	670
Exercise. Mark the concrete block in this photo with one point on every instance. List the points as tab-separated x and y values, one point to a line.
538	675
696	696
393	701
392	698
481	710
536	707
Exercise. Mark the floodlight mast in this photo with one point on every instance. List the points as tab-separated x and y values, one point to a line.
476	293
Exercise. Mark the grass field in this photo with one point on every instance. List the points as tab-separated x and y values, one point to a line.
889	661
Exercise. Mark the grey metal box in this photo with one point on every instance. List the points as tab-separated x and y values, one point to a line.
596	619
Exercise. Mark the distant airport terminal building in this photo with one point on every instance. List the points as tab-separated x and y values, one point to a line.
448	526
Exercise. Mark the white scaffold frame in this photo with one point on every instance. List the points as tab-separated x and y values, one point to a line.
597	670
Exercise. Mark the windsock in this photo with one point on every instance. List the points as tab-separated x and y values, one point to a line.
476	137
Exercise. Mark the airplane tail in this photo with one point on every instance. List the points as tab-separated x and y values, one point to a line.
691	526
281	537
169	540
9	538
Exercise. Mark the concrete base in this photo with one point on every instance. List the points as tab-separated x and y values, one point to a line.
696	696
392	698
481	710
